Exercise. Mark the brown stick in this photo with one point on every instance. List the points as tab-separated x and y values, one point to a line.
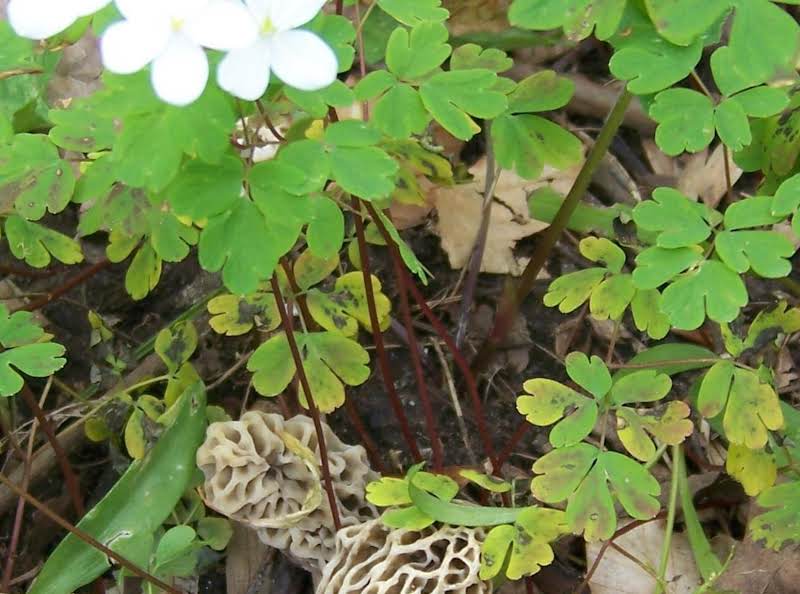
85	537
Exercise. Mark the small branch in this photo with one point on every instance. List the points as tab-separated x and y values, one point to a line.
377	336
85	537
509	306
76	280
312	407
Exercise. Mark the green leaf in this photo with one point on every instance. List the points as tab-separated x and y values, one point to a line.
570	291
415	12
388	491
545	202
325	233
35	243
202	190
732	124
779	318
542	91
452	97
410	259
80	129
409	518
410	56
244	246
486	481
754	469
751	407
440	485
136	506
600	249
578	17
686	121
175	543
135	442
310	269
144	272
36	360
329	360
580	474
470	55
611	297
646	313
216	533
647	61
766	252
344	308
400	112
366	172
678	221
683	21
591	375
782	522
764	42
641	386
713	288
33	178
176	344
18	328
339	33
763	101
750	212
656	266
669	424
787	197
671	358
551	401
527	143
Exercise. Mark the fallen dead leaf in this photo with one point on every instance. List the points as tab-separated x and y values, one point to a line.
477	16
617	574
704	177
756	570
459	216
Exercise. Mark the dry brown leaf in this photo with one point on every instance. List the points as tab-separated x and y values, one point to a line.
660	163
704	177
477	16
616	574
756	570
459	216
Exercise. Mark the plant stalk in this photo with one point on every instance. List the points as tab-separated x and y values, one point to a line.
677	462
511	302
312	407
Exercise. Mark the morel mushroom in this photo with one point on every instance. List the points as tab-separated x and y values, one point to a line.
373	559
263	471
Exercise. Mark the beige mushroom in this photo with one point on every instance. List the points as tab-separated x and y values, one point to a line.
263	471
373	559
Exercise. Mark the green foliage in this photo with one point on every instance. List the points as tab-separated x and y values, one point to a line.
780	523
25	349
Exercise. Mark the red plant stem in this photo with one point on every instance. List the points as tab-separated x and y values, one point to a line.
85	537
516	437
377	335
458	356
17	528
70	479
312	407
76	280
350	407
416	361
28	273
339	6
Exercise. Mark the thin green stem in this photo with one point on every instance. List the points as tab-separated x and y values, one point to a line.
510	304
677	464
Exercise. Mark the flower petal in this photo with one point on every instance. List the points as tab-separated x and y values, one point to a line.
145	11
40	19
244	73
180	73
289	14
303	60
261	9
222	25
84	7
128	46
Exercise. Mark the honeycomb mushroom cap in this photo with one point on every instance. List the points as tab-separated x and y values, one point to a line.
263	471
371	558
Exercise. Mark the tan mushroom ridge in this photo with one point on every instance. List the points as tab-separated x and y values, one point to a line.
263	471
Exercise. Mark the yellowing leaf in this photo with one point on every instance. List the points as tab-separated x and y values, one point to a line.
755	469
346	306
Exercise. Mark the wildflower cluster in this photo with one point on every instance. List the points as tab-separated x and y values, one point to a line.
261	37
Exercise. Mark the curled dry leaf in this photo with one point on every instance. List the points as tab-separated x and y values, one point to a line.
459	216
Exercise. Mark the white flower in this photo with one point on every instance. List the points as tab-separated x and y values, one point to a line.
299	58
40	19
171	34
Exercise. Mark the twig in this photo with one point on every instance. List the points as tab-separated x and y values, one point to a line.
312	407
507	311
230	371
76	280
85	537
451	385
478	247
